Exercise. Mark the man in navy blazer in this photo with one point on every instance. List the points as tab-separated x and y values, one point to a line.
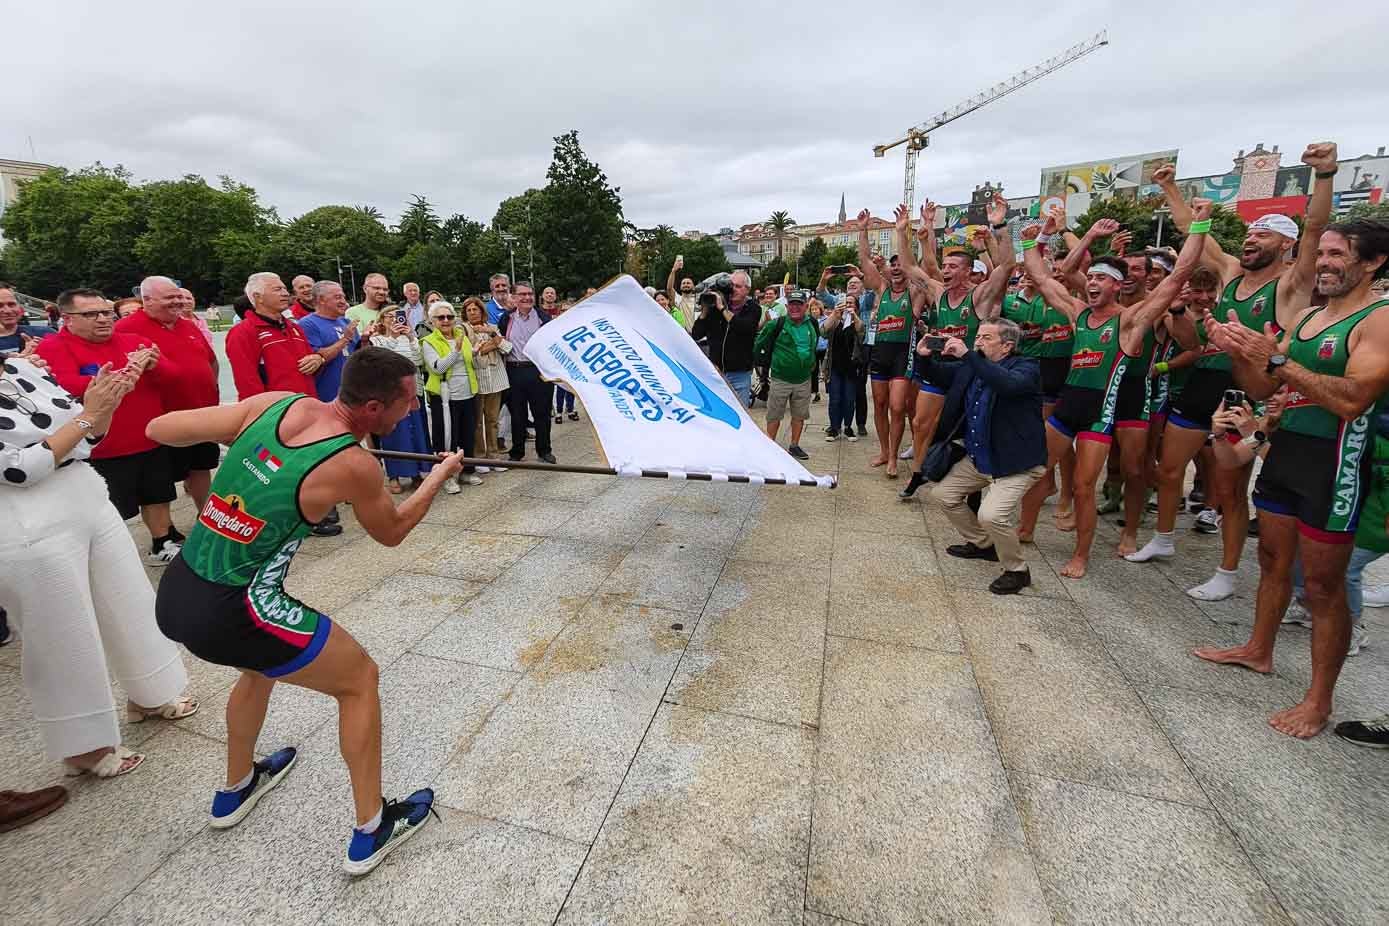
999	395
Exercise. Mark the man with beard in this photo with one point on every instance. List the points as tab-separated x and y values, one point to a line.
1259	288
959	307
1315	478
682	302
1107	337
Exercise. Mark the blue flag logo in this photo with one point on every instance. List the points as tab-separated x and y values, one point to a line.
697	395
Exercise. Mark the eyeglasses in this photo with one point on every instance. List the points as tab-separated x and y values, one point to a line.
443	318
94	313
11	398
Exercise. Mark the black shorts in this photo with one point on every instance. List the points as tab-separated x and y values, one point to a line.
262	629
1054	373
1080	413
1199	398
889	360
1131	410
185	460
1318	480
137	479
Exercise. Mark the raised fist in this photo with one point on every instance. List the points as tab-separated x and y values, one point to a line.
1165	174
998	210
1320	156
1201	208
864	217
1031	232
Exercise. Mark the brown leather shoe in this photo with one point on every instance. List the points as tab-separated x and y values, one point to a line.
20	807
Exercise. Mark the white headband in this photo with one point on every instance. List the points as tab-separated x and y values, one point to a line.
1279	224
1164	263
1107	270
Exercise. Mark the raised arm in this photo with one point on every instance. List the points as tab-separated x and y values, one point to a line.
670	279
927	236
988	299
1214	256
1101	229
1296	285
1150	309
871	277
917	278
1053	292
220	423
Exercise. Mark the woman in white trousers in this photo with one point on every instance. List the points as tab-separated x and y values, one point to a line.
72	579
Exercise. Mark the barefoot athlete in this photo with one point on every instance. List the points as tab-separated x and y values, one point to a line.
1107	336
291	458
959	306
1335	362
1259	287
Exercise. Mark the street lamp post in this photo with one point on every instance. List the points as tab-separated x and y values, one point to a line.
510	241
351	273
1160	213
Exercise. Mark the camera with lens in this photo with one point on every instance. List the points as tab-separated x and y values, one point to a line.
721	283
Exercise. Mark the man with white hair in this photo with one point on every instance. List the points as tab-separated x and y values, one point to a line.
189	369
268	352
303	296
414	309
731	330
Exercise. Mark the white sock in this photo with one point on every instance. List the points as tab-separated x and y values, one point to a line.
371	825
1160	545
240	784
1218	588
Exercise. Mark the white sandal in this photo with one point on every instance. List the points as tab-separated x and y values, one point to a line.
175	710
119	761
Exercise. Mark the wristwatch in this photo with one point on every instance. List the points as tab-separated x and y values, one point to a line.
1255	440
1275	363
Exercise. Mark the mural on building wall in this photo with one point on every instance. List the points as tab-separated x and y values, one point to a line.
1293	181
1077	185
1218	188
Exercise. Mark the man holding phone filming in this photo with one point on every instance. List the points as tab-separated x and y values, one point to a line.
999	394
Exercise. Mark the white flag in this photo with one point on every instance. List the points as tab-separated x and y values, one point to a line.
655	400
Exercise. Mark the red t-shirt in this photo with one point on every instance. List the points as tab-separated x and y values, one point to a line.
298	310
265	354
189	377
73	362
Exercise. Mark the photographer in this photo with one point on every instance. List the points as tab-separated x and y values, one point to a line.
999	393
842	328
729	320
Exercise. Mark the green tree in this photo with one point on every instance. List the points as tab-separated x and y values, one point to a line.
1369	211
418	223
779	223
183	221
578	234
522	216
813	259
772	274
318	239
704	257
1134	215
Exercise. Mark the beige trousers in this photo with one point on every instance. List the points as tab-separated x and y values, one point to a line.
998	513
489	408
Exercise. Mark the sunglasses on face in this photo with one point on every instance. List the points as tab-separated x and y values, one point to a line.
443	318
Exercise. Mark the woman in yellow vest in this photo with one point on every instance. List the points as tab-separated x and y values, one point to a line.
451	387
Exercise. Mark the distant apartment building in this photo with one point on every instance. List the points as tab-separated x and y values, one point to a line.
12	175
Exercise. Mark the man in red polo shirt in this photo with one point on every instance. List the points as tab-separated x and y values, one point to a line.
190	375
136	469
303	298
268	352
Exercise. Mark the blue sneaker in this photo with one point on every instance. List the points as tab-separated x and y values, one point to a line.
399	821
230	807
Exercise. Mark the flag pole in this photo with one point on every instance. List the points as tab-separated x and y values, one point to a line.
606	470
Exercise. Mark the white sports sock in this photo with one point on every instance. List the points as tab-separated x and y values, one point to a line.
1218	588
240	784
1160	545
371	825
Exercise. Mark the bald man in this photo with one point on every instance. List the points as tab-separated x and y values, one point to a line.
303	296
376	292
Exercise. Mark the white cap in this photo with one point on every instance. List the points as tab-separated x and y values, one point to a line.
980	267
1274	222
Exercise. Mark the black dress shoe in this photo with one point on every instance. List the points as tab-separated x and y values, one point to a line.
332	517
970	551
1010	583
548	458
916	482
326	528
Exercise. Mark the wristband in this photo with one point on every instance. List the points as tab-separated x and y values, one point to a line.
998	226
1161	367
1327	174
1029	243
1199	228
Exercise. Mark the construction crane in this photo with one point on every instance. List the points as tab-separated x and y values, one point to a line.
918	137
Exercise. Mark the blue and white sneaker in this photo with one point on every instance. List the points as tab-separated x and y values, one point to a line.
399	821
230	807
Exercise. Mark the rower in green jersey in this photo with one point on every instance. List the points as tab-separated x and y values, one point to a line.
290	459
1253	311
959	320
1333	368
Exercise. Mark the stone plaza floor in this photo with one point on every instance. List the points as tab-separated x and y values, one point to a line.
652	702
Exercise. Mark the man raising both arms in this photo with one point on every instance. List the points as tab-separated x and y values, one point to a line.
1316	476
1107	336
291	459
1259	287
959	306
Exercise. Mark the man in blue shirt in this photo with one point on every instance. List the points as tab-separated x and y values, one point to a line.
333	337
13	330
500	284
994	399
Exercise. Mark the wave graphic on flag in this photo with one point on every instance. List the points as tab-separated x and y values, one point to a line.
652	396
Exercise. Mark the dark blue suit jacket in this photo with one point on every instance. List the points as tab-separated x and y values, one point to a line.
1013	414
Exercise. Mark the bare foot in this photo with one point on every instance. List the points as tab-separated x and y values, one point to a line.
1075	569
879	460
1065	520
1303	720
1024	538
1127	545
1244	656
892	468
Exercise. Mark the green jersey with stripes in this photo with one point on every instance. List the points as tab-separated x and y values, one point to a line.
251	526
1259	307
1046	332
1141	366
1326	353
959	321
1097	362
894	318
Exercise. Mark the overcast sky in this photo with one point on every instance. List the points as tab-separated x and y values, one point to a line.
705	114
